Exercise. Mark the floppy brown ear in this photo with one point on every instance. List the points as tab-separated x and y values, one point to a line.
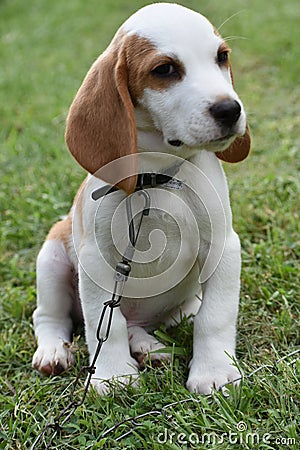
101	124
238	150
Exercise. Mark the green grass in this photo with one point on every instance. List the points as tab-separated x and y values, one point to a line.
45	50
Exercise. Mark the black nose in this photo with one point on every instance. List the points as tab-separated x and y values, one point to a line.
226	112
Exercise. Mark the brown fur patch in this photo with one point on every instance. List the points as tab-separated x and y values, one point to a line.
142	57
61	231
101	125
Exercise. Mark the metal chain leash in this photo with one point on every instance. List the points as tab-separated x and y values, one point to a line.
136	421
122	271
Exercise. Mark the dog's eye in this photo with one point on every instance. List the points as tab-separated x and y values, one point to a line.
165	71
222	57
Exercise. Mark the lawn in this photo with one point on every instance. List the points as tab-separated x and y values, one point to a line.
45	51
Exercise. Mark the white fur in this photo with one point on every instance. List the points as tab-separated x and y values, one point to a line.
195	222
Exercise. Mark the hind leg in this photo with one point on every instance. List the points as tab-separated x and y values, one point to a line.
52	318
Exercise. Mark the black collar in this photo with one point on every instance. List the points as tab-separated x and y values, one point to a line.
145	180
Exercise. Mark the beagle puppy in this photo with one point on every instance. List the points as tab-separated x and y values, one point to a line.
160	100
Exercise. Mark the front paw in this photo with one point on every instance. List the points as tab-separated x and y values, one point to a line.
106	377
206	378
53	358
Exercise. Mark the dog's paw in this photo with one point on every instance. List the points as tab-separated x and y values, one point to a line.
152	356
205	380
104	379
105	386
145	347
53	358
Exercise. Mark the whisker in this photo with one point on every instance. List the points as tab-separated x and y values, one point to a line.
233	38
229	18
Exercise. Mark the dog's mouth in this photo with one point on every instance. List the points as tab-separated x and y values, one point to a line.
220	143
225	138
175	142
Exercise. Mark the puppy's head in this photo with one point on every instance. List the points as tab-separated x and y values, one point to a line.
170	65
